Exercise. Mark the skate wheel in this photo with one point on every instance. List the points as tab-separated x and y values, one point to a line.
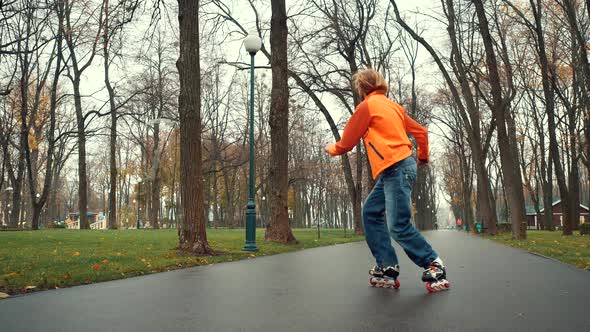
441	285
430	289
396	284
372	282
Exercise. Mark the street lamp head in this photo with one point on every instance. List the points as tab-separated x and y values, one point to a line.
252	43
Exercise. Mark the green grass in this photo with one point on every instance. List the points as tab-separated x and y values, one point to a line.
59	258
574	250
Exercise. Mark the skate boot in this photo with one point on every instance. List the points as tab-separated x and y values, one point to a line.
435	278
384	277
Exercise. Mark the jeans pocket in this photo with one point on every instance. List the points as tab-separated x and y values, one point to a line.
410	175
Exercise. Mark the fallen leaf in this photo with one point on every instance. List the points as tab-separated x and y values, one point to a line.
76	254
105	261
67	276
29	288
12	274
96	267
4	295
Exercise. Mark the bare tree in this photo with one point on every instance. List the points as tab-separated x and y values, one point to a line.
76	25
466	106
115	17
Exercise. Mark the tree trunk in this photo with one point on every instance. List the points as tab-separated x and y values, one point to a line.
548	197
82	177
15	208
112	217
278	229
154	205
192	233
154	212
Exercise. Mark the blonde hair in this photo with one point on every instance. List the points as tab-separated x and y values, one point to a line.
368	80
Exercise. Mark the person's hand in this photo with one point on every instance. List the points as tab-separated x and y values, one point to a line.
328	147
422	162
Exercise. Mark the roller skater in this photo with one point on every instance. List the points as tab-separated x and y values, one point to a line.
384	126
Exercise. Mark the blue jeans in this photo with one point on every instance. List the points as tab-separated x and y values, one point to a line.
386	215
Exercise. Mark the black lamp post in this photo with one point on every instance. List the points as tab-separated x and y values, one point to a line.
252	44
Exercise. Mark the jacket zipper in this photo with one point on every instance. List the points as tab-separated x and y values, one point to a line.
377	152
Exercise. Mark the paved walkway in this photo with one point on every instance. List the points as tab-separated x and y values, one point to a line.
495	288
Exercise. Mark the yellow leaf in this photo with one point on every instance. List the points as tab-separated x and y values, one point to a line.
76	254
12	274
4	295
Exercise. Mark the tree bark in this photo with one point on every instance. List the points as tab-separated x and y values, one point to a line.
278	228
192	232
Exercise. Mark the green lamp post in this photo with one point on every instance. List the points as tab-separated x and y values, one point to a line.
252	43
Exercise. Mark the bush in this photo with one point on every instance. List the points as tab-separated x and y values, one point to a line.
585	229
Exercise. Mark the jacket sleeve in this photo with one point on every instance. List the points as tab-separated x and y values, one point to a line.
355	128
420	134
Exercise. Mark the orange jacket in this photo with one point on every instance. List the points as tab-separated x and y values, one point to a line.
383	125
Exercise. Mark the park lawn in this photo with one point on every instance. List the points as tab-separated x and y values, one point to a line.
574	250
46	259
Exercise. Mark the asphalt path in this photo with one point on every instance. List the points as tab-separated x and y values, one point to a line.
494	288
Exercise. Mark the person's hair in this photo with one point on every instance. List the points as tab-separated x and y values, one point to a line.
368	80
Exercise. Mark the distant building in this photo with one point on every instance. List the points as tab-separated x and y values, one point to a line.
100	223
96	219
534	223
